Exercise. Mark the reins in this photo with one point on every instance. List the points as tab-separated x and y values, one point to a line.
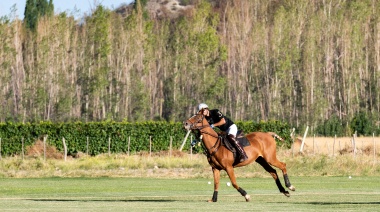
216	146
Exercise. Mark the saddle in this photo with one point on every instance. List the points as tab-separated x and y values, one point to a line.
240	137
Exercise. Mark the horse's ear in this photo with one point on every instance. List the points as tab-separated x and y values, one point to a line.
200	112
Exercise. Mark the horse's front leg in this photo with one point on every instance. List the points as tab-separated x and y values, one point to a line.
231	175
216	174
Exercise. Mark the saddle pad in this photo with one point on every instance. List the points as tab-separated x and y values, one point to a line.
243	141
241	138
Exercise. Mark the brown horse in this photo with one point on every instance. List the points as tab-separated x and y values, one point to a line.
262	149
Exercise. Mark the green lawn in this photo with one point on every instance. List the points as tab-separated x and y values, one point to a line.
149	194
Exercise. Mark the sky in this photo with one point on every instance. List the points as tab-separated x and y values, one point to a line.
69	6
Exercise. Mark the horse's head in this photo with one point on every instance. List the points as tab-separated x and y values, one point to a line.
195	122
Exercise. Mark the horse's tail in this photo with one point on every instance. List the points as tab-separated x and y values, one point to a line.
276	136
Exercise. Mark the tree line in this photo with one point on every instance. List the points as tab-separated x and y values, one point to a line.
302	62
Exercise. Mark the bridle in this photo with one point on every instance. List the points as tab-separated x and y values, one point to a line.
195	126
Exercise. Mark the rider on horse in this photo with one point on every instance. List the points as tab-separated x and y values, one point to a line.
216	119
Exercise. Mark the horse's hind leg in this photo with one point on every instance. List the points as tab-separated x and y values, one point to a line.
231	175
282	166
260	160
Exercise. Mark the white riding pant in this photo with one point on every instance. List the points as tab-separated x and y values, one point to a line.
232	130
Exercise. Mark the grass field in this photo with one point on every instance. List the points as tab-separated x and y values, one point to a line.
161	182
152	194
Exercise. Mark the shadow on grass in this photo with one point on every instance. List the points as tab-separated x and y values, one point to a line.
338	203
101	200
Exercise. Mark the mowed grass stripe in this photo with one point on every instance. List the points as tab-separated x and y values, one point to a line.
76	198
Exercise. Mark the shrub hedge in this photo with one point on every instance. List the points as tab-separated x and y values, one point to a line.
98	134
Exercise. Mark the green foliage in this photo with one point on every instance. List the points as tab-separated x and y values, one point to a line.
98	36
139	100
361	124
100	23
280	128
98	134
34	9
30	15
119	134
331	127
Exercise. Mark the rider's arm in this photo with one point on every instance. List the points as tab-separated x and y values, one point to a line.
221	122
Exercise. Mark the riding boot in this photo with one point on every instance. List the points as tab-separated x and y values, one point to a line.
242	154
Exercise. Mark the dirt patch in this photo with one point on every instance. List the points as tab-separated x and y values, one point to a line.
37	150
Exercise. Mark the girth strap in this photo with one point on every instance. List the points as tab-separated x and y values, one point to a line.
215	147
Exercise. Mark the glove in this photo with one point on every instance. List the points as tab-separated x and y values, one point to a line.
212	126
193	143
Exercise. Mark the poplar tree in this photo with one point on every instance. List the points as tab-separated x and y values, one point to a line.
34	9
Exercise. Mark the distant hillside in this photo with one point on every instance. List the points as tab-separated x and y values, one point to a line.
160	8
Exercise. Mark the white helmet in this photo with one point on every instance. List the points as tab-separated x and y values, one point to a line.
202	106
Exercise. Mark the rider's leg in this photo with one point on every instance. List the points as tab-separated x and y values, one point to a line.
243	155
232	137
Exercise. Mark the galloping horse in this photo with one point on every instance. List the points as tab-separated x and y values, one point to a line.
262	149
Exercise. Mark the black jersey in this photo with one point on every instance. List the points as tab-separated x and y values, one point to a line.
215	116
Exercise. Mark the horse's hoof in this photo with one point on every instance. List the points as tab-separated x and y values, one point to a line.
247	198
210	200
292	188
286	193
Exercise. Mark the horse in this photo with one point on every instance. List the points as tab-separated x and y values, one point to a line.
261	148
